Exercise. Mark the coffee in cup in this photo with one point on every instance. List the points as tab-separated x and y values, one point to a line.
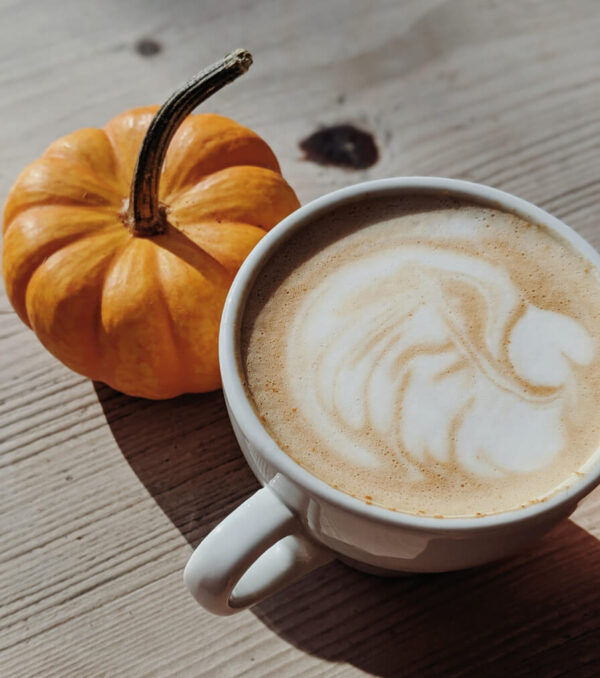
429	355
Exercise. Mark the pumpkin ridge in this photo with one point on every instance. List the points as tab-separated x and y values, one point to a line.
177	242
229	242
88	145
229	146
57	203
212	177
92	208
246	194
174	196
100	329
39	192
111	185
170	322
52	336
210	223
53	152
41	256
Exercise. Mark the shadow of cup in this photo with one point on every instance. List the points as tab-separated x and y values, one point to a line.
537	614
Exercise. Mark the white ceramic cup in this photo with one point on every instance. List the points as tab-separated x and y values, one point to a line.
296	522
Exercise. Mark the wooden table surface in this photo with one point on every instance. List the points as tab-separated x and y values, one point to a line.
104	496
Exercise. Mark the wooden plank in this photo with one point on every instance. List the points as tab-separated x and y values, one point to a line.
104	496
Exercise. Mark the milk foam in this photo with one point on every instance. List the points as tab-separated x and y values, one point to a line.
428	361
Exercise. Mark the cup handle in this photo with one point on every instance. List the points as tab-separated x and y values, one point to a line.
255	551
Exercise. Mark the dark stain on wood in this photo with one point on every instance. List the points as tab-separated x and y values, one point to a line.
148	47
341	146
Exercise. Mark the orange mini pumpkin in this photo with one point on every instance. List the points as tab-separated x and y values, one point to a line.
129	291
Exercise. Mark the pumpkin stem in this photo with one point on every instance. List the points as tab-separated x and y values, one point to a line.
144	215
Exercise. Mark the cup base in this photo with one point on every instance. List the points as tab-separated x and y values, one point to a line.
372	569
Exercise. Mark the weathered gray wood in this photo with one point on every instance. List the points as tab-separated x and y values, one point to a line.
103	496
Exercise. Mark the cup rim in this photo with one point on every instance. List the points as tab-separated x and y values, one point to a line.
247	419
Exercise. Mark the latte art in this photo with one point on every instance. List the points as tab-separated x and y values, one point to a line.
432	357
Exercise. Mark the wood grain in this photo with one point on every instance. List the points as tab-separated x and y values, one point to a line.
103	496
